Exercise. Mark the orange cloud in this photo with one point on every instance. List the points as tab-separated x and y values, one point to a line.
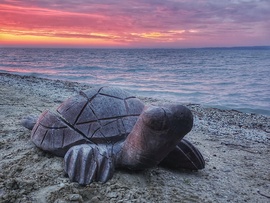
11	39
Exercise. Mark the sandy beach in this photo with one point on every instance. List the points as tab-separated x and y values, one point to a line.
235	145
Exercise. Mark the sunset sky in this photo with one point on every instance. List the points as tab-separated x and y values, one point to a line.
134	23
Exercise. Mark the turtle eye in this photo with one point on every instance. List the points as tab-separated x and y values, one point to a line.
182	118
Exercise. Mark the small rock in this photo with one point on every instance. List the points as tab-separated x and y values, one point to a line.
95	199
226	170
12	184
112	195
60	201
75	197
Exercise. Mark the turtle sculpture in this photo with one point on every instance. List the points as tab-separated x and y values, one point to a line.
104	128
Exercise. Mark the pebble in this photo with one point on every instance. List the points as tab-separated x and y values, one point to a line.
75	197
226	170
95	199
112	195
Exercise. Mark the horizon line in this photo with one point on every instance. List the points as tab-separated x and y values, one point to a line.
69	47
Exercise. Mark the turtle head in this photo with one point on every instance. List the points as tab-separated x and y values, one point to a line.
155	134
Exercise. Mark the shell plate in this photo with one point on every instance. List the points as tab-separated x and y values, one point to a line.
99	115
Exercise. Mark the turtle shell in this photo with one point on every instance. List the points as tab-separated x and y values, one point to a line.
103	115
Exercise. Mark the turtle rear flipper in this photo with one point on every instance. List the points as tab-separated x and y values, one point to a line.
184	156
29	121
88	163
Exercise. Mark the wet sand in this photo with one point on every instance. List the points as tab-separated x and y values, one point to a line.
235	145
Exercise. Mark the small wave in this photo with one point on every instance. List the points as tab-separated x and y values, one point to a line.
78	68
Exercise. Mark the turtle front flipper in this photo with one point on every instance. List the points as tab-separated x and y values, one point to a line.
184	156
155	134
89	163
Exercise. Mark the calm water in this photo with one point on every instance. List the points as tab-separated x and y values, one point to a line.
234	78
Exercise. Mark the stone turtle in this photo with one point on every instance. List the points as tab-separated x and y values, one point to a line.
104	128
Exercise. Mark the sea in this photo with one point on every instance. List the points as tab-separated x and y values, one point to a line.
227	78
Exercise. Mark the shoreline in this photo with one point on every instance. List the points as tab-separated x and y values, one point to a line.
159	95
235	145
